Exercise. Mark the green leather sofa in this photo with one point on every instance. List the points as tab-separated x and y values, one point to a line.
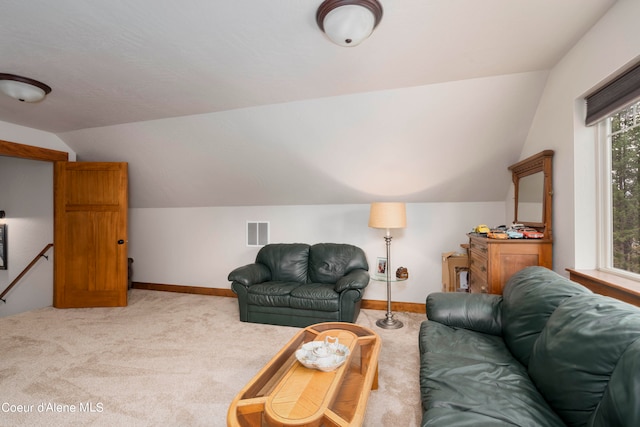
295	284
548	352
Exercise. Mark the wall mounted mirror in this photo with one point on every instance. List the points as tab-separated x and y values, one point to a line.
532	180
530	200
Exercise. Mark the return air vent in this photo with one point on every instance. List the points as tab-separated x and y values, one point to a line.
257	233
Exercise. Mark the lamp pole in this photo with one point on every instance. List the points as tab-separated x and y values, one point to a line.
388	215
389	322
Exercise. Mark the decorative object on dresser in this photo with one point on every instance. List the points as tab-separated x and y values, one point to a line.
388	216
493	261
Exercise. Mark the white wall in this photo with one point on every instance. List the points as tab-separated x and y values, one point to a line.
559	125
200	246
27	198
421	143
26	194
37	138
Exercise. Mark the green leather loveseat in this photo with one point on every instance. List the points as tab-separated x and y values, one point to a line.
295	284
548	352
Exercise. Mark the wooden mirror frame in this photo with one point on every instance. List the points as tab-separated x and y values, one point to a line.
541	162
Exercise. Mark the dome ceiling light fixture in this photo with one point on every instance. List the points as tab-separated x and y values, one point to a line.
23	89
348	22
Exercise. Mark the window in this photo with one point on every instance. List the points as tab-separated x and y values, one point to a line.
619	191
615	109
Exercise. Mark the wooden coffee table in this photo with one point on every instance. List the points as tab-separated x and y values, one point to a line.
285	393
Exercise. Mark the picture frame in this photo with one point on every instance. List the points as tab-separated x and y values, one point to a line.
3	246
381	266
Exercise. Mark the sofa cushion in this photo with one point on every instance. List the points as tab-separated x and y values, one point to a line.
315	296
577	352
529	299
451	417
471	379
288	262
476	312
271	294
459	342
328	262
619	405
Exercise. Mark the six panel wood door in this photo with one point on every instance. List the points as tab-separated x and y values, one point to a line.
90	239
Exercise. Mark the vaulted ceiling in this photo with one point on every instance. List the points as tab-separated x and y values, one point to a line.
244	102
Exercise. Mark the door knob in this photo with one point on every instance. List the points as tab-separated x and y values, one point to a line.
121	242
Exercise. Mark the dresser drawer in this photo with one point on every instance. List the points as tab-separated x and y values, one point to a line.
479	247
478	257
478	273
478	284
478	264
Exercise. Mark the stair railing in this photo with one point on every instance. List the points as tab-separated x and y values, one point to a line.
27	268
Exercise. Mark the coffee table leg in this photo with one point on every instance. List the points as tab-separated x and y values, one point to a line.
374	385
365	357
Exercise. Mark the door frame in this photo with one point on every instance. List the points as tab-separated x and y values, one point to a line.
30	152
13	149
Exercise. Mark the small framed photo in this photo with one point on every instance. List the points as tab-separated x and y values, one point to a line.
3	246
382	266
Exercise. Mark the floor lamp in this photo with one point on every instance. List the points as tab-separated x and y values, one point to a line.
388	216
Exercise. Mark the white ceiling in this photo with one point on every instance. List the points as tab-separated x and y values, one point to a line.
260	108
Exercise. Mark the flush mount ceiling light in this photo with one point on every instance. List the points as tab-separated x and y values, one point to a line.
348	22
23	88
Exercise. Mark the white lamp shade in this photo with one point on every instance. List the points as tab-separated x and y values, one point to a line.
22	91
388	215
349	25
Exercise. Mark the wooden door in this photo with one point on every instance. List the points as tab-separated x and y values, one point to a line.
90	237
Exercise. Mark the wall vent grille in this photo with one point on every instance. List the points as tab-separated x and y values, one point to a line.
257	233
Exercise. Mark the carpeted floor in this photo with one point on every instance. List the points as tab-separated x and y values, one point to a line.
167	359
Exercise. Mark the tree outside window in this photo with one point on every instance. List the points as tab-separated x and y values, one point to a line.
624	138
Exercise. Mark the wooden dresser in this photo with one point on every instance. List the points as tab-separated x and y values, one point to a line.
492	261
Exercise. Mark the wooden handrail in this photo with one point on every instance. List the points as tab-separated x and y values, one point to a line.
27	268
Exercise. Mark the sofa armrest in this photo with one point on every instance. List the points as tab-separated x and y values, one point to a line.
356	279
476	312
250	274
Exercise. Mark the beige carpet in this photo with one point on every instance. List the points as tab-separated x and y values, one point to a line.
167	359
